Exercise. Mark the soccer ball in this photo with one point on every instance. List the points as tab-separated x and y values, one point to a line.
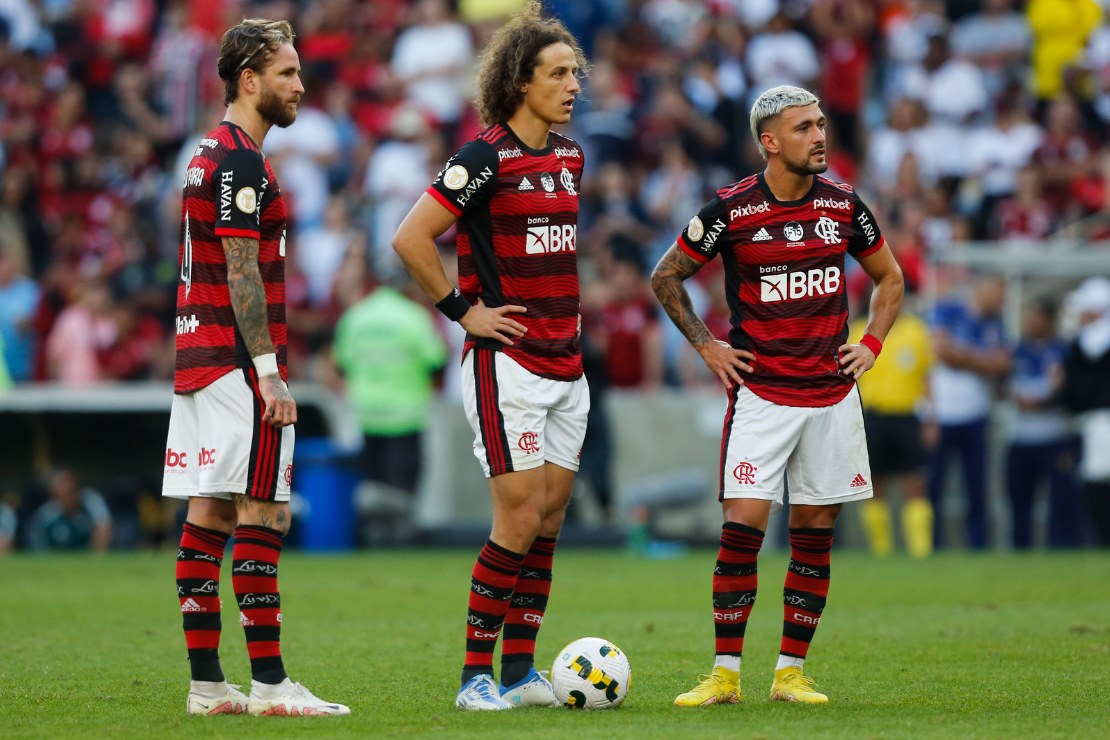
591	673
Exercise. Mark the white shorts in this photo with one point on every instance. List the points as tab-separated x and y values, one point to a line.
821	452
218	444
521	420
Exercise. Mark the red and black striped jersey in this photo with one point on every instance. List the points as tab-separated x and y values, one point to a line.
230	191
516	237
784	278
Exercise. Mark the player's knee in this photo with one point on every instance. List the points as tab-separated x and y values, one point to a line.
552	522
215	514
269	514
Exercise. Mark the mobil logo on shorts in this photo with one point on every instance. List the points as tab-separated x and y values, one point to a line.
548	238
777	283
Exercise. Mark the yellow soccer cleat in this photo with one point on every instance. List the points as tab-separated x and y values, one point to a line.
722	686
791	685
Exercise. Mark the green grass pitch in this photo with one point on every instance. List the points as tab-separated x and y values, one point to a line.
962	646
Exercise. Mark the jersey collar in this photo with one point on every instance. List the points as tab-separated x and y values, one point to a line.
771	196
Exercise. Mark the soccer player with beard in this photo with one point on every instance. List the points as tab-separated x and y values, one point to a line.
793	409
229	450
513	190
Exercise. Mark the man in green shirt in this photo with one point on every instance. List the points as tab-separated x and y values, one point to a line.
389	349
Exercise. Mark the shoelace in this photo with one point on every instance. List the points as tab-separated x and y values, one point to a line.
484	689
802	682
712	678
300	692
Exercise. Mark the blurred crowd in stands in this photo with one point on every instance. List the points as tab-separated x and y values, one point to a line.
981	121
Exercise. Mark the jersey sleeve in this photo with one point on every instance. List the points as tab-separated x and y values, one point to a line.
467	179
707	232
238	182
865	237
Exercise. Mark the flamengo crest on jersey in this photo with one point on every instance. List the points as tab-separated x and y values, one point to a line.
784	279
230	191
517	241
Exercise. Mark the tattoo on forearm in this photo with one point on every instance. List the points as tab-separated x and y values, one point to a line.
248	295
667	282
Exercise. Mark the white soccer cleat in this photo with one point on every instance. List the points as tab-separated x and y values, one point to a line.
215	697
534	690
288	699
480	694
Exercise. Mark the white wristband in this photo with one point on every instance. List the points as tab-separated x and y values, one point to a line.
265	364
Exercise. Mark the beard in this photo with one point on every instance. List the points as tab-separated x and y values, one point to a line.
803	166
275	110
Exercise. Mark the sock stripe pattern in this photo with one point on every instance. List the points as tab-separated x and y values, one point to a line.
735	580
199	558
529	602
254	574
806	588
491	588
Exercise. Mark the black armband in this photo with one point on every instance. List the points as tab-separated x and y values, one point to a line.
454	306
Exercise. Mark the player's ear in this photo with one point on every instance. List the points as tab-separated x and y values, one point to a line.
770	143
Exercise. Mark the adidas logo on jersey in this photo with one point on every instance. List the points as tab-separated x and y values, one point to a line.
859	481
761	236
525	185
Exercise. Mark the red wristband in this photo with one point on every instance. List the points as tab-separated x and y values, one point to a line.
872	344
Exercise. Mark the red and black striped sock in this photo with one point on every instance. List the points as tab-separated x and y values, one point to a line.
491	589
199	557
735	580
806	589
525	615
254	574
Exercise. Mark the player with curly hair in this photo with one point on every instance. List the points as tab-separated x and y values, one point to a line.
513	190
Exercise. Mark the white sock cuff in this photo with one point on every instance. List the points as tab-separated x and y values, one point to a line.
731	662
787	661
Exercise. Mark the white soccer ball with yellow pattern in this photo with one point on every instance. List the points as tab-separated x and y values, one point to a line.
591	673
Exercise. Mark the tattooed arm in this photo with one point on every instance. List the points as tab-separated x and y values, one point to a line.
667	280
248	301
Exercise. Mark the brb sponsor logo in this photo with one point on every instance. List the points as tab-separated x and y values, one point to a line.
176	459
206	457
548	238
777	284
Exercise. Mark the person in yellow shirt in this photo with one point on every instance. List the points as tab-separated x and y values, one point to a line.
895	394
1060	29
